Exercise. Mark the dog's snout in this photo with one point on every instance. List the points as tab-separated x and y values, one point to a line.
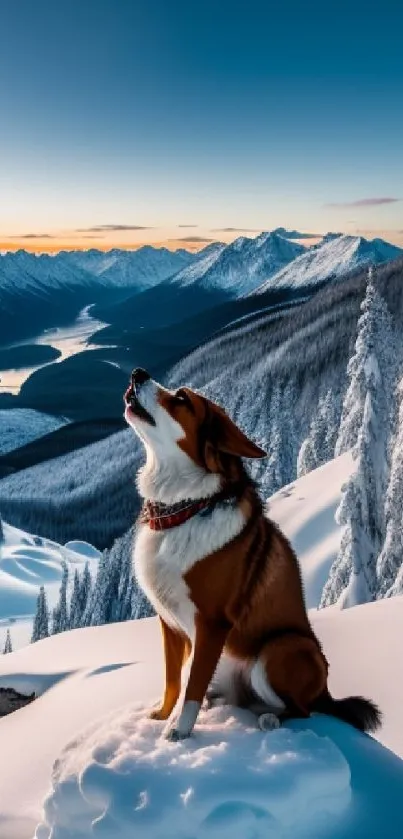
139	376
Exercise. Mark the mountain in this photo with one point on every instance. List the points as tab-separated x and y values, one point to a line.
221	274
42	290
333	257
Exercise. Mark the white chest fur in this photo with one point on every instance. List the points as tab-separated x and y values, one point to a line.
162	558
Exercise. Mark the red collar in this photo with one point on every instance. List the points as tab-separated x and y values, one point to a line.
161	516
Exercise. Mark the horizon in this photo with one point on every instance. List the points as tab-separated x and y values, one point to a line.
144	129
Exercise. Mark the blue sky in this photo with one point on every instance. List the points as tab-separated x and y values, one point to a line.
155	114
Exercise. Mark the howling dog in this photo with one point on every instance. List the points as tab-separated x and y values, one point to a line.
222	577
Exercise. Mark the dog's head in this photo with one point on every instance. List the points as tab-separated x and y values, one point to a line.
174	423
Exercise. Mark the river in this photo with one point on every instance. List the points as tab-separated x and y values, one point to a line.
67	339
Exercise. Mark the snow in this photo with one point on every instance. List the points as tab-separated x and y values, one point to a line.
26	563
334	256
241	266
305	511
93	684
19	426
102	768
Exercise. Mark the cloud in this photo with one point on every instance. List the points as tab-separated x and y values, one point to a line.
363	202
105	228
235	230
193	239
188	225
33	236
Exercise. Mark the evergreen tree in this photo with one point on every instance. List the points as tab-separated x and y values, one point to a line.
390	560
60	612
8	647
1	531
281	463
41	620
375	336
75	602
318	447
85	590
353	577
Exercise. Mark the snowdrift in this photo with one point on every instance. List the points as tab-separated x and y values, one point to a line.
93	686
26	563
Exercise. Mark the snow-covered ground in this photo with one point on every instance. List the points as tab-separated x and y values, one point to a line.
116	776
305	512
19	426
92	764
26	563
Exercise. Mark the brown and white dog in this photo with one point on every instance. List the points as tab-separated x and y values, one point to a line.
223	579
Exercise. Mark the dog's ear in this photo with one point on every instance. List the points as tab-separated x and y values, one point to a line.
226	437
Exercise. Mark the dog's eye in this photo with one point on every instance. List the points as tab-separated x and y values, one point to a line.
181	398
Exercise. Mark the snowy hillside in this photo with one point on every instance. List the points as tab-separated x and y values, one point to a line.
19	426
334	256
115	776
26	563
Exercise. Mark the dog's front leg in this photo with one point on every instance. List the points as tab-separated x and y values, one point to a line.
176	651
208	646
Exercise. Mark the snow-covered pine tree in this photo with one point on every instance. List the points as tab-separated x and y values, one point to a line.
389	567
85	590
41	619
282	459
318	446
376	335
353	577
75	604
60	621
8	647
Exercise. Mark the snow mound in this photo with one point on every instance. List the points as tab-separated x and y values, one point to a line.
28	562
230	782
83	549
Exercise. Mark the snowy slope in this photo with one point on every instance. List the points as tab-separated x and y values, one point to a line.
19	426
26	563
334	256
121	778
305	512
241	266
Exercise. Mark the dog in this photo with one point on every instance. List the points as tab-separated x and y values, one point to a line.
222	577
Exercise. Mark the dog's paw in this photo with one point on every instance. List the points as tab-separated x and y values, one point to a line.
159	713
268	722
174	735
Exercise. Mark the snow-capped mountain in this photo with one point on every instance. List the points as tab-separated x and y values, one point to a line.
142	268
239	267
334	256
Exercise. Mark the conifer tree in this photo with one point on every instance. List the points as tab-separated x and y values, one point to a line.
389	566
60	612
8	647
353	577
41	620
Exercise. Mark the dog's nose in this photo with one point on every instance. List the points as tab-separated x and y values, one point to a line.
139	376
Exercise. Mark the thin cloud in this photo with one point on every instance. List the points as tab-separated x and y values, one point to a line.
33	236
105	228
235	230
363	202
188	225
193	239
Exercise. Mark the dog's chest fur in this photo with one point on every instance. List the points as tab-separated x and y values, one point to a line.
161	559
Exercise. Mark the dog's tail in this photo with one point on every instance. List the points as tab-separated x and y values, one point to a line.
357	711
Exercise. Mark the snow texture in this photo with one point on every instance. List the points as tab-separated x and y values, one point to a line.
28	562
124	779
19	426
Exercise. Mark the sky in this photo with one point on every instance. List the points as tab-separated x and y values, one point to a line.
125	122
